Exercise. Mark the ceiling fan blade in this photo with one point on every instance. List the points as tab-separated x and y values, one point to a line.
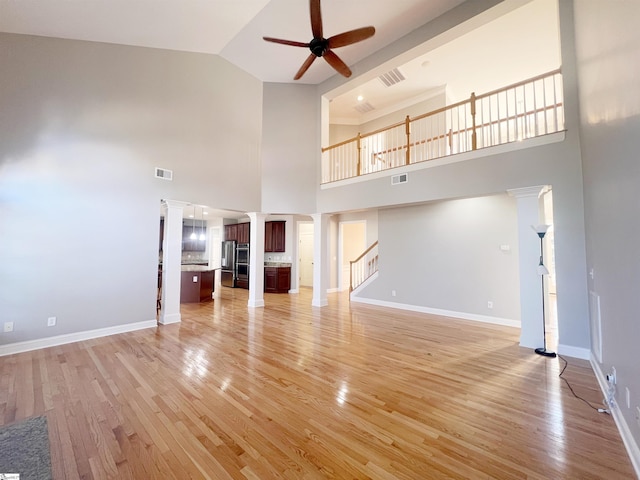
285	42
305	66
333	60
316	18
352	36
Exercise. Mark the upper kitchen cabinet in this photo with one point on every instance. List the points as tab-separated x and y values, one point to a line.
238	232
274	236
243	232
193	245
231	232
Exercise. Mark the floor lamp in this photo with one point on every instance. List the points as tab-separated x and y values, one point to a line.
541	230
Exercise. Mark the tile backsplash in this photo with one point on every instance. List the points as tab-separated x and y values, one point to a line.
194	257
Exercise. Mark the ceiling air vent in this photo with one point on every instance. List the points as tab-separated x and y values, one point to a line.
364	107
164	173
392	77
398	179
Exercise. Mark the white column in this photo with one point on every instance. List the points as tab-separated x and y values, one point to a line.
171	261
320	259
256	260
529	213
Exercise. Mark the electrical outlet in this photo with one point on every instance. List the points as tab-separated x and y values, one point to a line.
8	327
393	293
51	322
489	304
611	377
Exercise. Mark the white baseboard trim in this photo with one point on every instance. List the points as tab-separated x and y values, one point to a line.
170	318
436	311
627	438
333	290
255	303
30	345
294	290
323	302
575	352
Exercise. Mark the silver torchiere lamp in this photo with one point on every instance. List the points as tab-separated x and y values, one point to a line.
541	230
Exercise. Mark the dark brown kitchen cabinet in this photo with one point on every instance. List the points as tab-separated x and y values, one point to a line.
277	279
274	236
243	232
231	232
196	286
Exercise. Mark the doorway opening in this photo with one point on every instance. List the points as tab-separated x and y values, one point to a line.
352	242
305	254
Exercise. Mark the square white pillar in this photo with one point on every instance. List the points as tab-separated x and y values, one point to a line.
531	311
320	259
171	262
256	260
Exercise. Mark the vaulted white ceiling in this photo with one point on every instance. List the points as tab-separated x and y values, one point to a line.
507	49
230	28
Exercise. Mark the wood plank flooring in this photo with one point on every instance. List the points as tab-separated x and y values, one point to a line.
290	391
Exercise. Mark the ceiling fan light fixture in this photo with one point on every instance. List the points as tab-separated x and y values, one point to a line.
323	47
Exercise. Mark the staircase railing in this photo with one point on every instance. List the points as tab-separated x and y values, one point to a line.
526	109
363	267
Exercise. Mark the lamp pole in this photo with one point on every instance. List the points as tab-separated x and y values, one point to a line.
541	230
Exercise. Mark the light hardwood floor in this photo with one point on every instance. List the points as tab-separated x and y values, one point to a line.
295	392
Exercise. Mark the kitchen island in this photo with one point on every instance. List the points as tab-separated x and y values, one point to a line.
197	283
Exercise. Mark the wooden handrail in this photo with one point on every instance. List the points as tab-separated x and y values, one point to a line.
518	84
351	262
444	109
374	245
462	130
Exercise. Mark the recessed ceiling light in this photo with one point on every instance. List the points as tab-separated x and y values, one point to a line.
360	98
425	63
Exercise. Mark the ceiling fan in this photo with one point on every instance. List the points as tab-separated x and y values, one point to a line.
323	47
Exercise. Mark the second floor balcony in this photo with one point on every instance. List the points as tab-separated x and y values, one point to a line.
527	109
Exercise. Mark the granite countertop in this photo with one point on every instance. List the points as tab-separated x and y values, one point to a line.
276	264
197	268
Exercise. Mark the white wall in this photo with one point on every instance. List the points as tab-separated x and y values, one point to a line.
290	148
608	72
447	256
82	126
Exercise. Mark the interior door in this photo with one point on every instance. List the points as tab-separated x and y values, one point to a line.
305	240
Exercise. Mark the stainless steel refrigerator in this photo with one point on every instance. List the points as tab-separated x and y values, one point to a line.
228	264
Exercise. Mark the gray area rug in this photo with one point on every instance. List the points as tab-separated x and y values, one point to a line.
24	449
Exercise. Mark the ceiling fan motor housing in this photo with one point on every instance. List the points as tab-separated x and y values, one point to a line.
318	46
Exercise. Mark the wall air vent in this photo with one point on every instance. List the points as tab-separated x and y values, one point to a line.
364	107
398	179
392	77
164	173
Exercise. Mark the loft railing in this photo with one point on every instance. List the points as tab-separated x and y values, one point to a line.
526	109
363	267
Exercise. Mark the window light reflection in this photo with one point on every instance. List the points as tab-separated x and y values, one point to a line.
342	393
195	363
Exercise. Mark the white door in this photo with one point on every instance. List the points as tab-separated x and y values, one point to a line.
305	251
